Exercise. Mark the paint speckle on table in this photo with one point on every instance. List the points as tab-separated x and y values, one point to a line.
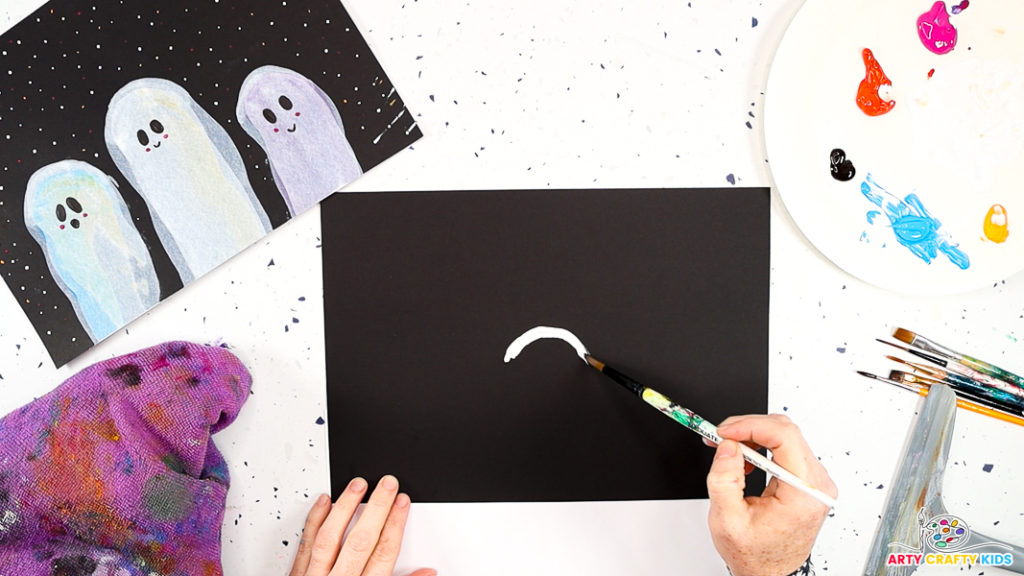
731	178
996	226
987	467
840	166
913	226
960	7
870	99
936	32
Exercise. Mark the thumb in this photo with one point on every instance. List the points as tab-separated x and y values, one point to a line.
726	481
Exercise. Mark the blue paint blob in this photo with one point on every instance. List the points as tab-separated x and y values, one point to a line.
914	227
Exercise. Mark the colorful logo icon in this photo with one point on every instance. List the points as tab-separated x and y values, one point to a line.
946	533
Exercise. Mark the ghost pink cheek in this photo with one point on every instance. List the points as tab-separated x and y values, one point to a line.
277	129
298	113
165	136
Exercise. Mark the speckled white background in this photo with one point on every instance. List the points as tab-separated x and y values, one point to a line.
566	94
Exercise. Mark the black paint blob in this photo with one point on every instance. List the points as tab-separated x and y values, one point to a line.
841	168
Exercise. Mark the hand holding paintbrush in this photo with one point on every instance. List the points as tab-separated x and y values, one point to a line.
667	407
772	533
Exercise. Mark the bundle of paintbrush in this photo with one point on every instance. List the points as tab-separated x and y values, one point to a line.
979	386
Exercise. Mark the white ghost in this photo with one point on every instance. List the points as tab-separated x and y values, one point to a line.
94	252
188	171
301	131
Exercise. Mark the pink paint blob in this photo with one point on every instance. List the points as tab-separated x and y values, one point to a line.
934	29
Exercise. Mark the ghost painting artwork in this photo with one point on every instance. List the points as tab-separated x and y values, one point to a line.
301	131
94	252
188	171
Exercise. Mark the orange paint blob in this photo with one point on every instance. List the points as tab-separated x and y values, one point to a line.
868	99
996	224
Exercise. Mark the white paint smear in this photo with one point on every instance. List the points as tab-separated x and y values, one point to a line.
534	334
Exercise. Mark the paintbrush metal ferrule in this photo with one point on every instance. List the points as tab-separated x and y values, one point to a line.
918	341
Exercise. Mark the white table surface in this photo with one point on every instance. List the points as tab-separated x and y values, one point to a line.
573	94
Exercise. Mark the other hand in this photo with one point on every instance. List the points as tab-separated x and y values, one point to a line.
372	545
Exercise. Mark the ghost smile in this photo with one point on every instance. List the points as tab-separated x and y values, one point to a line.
292	129
156	145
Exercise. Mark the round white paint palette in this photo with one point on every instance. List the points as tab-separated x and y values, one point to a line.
954	139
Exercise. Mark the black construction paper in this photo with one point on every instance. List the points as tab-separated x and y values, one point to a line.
424	291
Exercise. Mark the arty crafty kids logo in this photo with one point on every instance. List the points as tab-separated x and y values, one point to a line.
944	541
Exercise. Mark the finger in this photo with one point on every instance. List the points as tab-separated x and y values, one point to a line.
747	466
773	431
317	514
789	448
328	540
385	554
424	572
363	538
725	484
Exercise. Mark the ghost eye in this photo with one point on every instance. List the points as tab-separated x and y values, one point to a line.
156	126
74	204
62	214
285	102
143	139
269	115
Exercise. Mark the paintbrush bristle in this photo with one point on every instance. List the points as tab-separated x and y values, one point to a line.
904	335
594	362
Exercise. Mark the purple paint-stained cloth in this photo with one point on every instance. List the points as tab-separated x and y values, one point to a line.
114	472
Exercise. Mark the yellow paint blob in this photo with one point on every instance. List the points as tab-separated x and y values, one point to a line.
996	224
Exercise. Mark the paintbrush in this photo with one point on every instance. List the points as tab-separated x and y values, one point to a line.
927	345
706	429
915	379
960	382
979	396
964	403
966	371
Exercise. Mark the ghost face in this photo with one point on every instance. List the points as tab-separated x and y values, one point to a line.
151	140
286	106
61	197
96	256
301	131
148	123
71	213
